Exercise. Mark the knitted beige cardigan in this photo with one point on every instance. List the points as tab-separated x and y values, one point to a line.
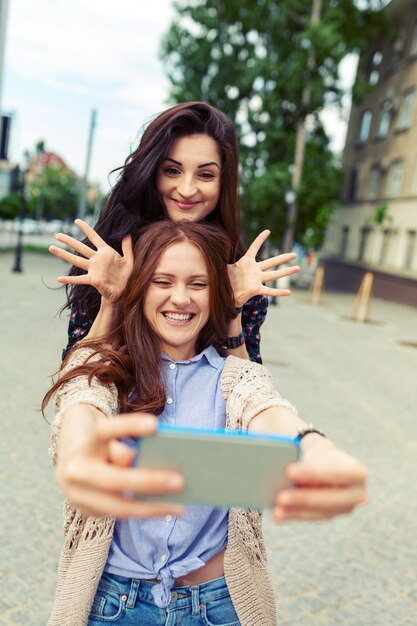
248	389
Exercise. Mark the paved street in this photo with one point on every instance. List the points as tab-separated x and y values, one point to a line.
355	381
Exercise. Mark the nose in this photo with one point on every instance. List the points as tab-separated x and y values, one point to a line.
186	186
180	296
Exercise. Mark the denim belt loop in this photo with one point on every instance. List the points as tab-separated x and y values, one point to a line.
133	593
195	599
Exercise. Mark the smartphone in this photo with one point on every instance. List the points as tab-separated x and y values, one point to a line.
221	468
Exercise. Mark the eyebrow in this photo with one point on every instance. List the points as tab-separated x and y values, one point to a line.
198	166
168	275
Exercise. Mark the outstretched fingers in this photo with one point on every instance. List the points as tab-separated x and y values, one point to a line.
76	245
69	257
90	233
287	257
257	243
276	274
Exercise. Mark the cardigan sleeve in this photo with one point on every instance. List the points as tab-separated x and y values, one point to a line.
80	391
248	389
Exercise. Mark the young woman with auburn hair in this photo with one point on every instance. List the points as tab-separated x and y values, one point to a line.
185	167
129	560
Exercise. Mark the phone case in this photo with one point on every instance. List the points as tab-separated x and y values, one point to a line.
220	468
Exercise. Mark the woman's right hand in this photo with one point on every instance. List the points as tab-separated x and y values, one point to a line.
106	269
94	468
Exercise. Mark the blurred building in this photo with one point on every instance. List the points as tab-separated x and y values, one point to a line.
376	227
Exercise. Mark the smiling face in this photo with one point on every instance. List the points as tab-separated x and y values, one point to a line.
188	179
177	302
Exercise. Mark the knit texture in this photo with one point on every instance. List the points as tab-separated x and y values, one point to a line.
248	389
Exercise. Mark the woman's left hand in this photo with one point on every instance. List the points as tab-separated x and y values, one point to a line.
326	482
248	276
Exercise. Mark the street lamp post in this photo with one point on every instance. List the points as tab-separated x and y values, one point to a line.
20	187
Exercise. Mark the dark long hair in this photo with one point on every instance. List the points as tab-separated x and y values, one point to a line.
134	361
134	200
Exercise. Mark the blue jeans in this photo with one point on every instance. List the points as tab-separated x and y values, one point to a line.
129	602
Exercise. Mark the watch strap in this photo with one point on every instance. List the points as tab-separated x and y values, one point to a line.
309	430
231	343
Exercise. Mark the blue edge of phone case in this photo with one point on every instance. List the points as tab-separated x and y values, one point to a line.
221	431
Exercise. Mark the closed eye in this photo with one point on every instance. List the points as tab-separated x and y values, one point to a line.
198	285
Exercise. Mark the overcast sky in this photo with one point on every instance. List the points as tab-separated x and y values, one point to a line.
65	57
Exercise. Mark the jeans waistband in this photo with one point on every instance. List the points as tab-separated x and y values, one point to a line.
181	596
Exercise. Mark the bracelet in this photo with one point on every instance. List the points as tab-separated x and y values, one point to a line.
231	343
303	432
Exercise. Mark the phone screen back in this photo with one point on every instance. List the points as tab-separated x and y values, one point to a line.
221	469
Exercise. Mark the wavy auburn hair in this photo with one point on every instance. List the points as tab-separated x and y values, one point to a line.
134	361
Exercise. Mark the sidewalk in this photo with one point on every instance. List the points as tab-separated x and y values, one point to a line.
354	381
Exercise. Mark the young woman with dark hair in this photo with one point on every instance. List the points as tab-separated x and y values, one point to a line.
185	167
122	562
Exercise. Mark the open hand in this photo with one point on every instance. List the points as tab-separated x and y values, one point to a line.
106	269
248	276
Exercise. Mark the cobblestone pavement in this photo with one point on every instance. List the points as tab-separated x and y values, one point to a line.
355	381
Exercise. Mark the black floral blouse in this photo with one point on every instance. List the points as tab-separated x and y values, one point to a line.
253	316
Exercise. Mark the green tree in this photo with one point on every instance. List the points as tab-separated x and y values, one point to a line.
253	59
10	206
53	193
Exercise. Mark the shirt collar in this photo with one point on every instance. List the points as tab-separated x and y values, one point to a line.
210	354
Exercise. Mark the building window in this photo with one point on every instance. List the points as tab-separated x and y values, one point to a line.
374	181
397	49
363	242
384	118
344	241
365	128
386	238
375	69
405	115
395	177
410	249
413	49
352	187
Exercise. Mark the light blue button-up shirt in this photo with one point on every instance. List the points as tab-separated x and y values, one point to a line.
166	548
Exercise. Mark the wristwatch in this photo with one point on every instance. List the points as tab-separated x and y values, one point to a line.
231	343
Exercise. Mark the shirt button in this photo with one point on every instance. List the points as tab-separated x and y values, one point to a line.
169	400
168	518
163	558
172	366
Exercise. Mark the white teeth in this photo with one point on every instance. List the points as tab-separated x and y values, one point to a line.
178	317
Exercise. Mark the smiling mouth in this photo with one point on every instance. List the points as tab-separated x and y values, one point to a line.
178	317
184	204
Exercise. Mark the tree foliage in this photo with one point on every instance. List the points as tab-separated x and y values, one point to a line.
10	206
52	189
253	59
53	194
